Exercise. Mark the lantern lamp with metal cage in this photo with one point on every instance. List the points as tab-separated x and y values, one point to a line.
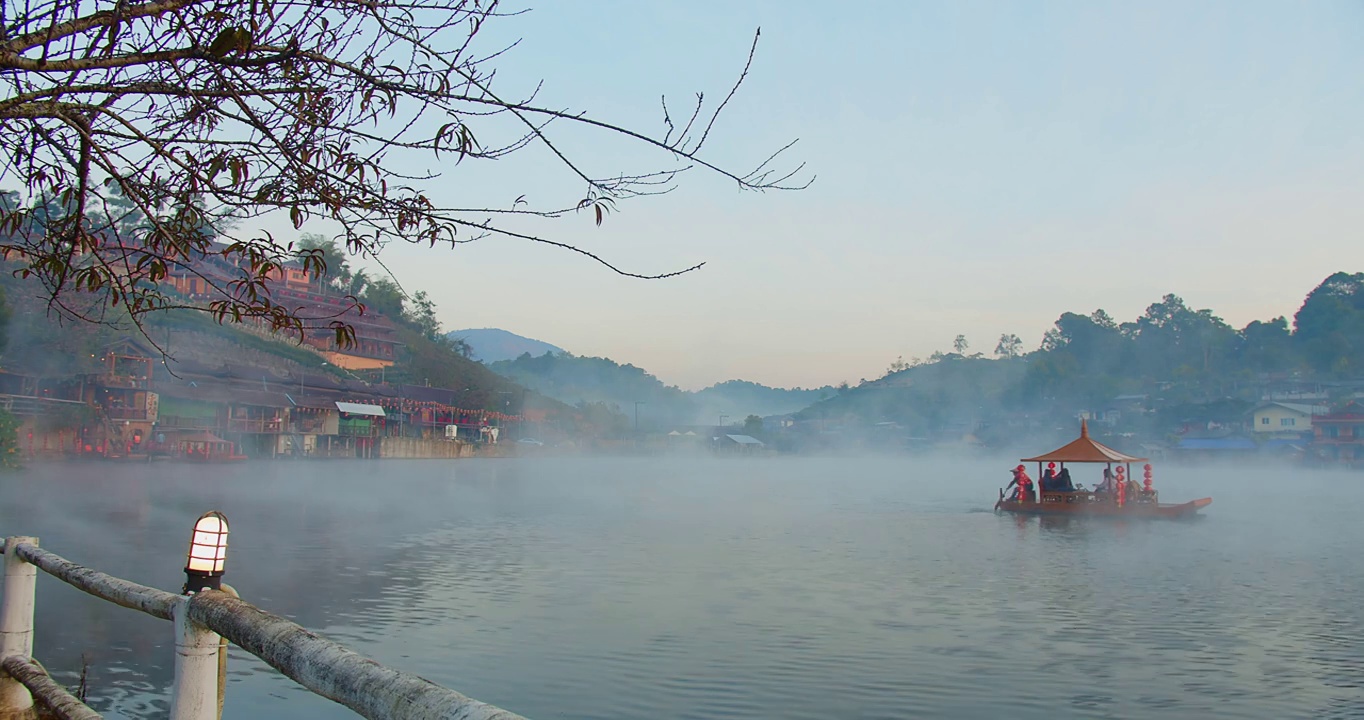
207	553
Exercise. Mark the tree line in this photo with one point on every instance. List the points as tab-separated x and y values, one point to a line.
1176	355
1093	357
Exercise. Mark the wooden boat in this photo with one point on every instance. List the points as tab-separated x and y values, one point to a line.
205	447
1127	499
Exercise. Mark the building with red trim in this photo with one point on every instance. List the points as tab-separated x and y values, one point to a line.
1338	437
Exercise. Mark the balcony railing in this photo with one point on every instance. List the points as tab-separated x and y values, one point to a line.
310	427
27	405
187	423
256	425
126	413
128	382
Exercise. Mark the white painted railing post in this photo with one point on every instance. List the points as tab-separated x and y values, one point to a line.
194	696
16	625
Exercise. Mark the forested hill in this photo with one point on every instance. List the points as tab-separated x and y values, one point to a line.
1176	360
490	345
1092	357
740	398
574	379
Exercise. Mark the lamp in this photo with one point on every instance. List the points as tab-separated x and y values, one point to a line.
207	553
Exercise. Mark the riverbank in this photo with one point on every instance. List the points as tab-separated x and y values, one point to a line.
393	448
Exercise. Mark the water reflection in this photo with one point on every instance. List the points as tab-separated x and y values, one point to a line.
808	588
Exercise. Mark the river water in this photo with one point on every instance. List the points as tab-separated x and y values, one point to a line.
728	588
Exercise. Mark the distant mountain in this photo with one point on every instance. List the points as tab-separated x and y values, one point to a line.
738	398
573	380
491	345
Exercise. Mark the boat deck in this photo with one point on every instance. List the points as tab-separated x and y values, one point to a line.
1086	503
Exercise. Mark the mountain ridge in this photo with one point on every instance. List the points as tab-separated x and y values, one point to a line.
490	345
572	379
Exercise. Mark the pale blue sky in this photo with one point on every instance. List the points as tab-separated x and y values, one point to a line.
982	168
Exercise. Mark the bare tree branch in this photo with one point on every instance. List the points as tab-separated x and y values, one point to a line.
137	131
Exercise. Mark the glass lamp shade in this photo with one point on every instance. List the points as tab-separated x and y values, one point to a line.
208	545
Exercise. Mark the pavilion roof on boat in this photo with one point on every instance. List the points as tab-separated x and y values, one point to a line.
1085	450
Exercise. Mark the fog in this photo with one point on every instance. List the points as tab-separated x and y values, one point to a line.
728	587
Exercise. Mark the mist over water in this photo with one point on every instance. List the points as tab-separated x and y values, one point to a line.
730	588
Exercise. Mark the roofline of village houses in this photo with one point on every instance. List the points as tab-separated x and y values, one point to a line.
142	409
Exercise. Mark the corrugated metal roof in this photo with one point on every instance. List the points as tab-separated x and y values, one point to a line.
315	402
745	439
234	393
1301	408
358	409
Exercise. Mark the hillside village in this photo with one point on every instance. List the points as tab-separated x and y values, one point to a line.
186	387
1174	383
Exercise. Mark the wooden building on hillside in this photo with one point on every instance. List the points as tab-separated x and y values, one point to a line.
1339	436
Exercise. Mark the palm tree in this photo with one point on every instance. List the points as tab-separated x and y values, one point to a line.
356	283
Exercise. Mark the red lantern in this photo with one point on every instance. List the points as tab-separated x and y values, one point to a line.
1122	488
1147	478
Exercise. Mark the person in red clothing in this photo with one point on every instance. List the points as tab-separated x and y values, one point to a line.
1022	484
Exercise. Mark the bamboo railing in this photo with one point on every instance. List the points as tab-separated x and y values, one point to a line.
324	667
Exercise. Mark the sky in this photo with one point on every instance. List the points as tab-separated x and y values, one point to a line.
980	168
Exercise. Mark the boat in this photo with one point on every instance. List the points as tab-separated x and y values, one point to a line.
205	447
1126	498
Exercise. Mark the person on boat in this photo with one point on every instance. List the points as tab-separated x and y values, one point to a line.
1107	485
1021	483
1063	481
1048	481
1015	483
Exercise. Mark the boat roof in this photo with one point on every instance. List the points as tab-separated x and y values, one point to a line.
1085	450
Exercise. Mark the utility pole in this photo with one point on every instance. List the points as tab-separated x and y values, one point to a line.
637	404
722	421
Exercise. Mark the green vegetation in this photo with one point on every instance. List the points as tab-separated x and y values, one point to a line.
599	381
927	397
43	341
1189	362
162	329
1089	359
576	379
1328	332
737	398
9	441
378	295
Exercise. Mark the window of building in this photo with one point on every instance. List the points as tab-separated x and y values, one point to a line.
1264	420
1288	422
